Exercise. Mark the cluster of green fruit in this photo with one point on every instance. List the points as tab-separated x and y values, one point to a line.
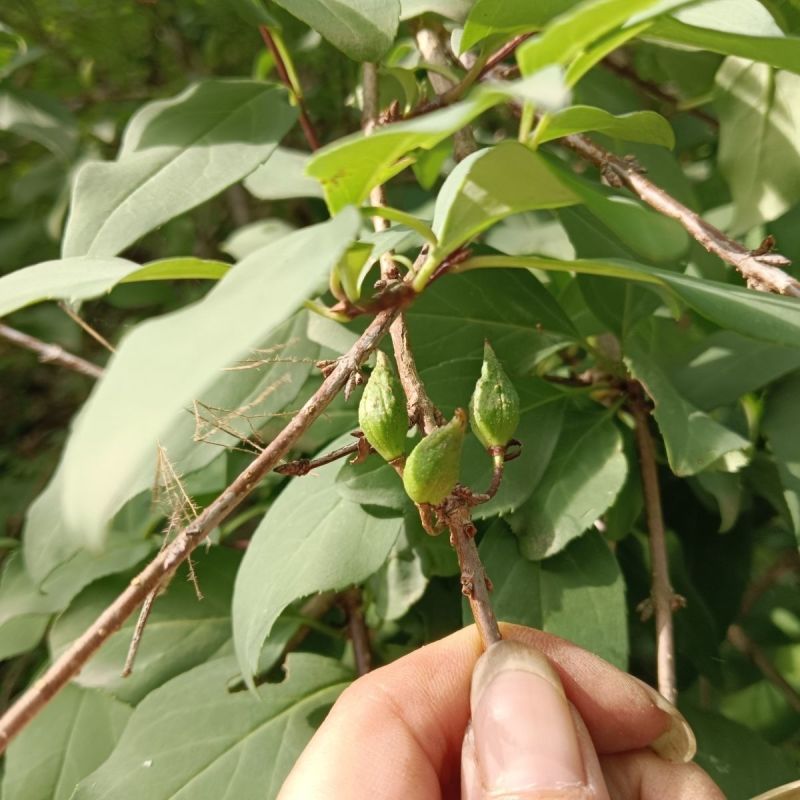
431	470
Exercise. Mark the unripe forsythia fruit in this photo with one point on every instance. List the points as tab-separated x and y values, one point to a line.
382	411
494	407
432	469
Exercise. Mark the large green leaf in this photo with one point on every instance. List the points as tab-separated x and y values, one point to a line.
350	167
578	594
693	439
492	184
731	27
762	316
759	114
585	474
182	630
192	738
176	154
782	428
310	540
83	277
165	364
638	126
361	29
71	737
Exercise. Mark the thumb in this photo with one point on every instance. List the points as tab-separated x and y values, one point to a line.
525	740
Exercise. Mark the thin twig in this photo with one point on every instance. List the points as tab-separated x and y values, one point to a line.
787	563
357	629
761	271
503	53
136	639
82	323
302	466
475	583
283	74
655	91
165	563
51	353
662	595
745	645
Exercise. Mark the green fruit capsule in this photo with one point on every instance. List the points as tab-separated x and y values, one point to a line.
432	469
382	411
494	407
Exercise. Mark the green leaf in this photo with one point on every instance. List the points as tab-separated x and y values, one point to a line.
70	279
24	611
571	32
350	167
489	185
488	18
759	114
254	235
578	594
253	12
38	117
309	541
742	763
720	368
179	268
283	176
399	583
638	126
70	738
585	474
362	29
646	232
182	630
693	439
373	482
237	746
759	315
165	364
454	316
782	427
83	278
175	154
731	27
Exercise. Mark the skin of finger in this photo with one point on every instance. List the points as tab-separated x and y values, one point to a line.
473	789
405	722
643	775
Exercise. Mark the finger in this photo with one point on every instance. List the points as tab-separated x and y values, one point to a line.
526	740
409	717
644	776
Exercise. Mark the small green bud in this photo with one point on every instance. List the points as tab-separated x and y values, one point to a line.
494	407
382	411
432	469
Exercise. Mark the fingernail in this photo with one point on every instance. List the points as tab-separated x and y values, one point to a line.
523	731
791	791
677	743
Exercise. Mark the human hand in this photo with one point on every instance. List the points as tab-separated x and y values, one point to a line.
399	732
